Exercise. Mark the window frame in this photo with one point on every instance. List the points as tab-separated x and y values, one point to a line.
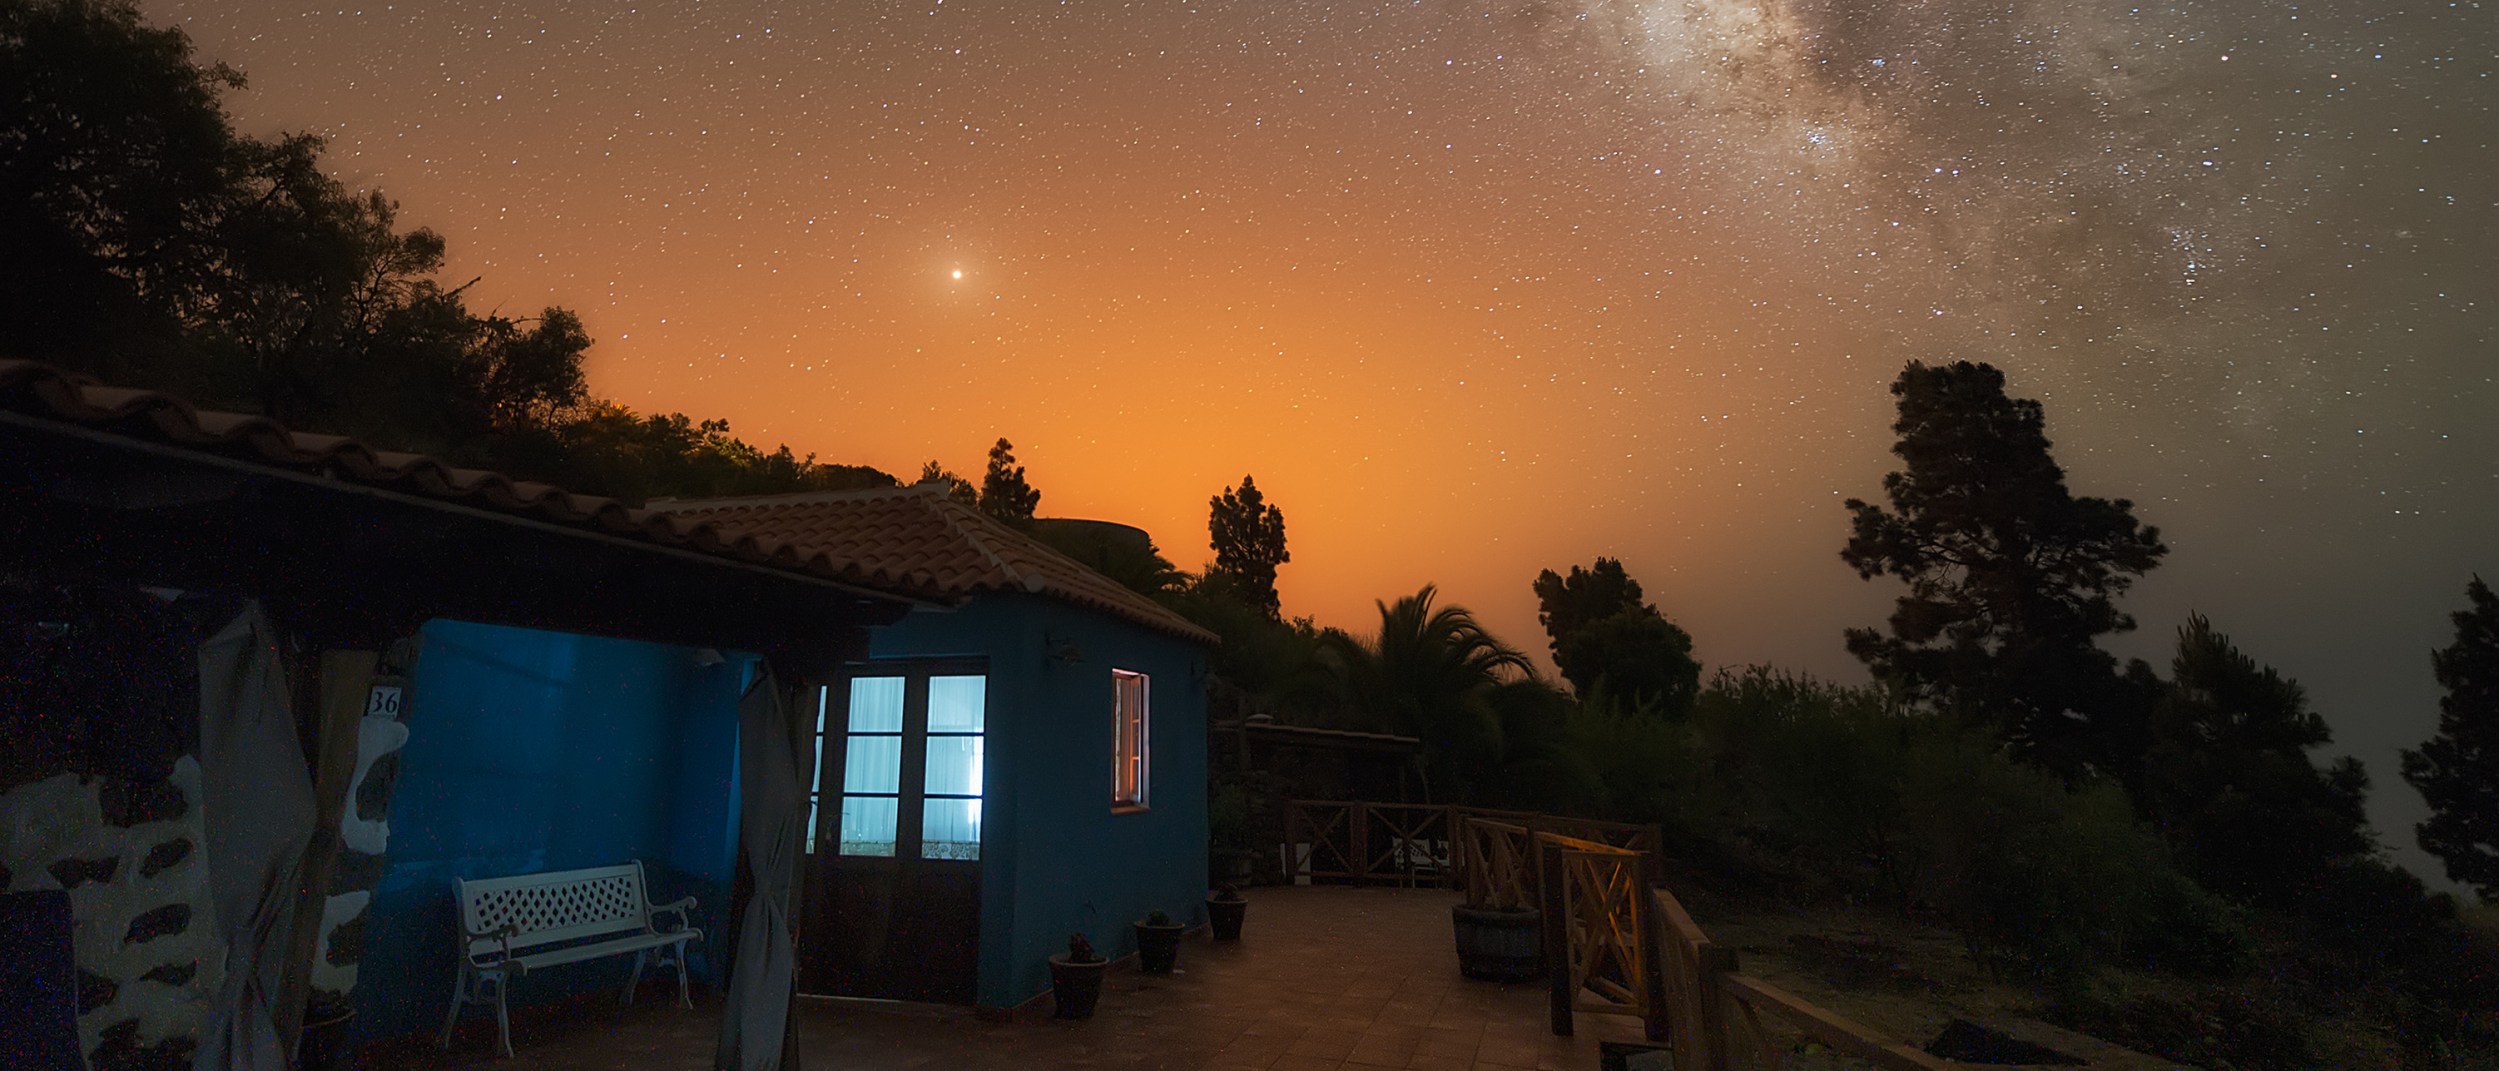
1132	742
911	796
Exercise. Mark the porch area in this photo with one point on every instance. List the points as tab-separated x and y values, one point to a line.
1324	977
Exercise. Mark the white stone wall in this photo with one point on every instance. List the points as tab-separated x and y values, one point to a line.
144	936
364	828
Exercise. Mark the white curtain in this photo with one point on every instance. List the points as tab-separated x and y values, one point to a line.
771	820
257	814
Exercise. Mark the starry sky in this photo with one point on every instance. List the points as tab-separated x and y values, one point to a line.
1481	287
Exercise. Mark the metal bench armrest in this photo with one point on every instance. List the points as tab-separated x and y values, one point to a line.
501	935
679	909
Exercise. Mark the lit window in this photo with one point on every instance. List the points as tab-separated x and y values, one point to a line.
1128	738
872	766
950	802
903	758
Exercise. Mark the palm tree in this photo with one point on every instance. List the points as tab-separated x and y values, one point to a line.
1430	673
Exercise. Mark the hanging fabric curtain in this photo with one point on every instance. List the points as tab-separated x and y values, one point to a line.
257	813
771	820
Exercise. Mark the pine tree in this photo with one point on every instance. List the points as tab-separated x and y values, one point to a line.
957	488
2011	578
1247	536
2457	770
1004	493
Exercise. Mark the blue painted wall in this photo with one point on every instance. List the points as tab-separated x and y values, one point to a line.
531	751
1054	857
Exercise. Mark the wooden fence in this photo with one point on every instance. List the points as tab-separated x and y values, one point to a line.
1595	904
1399	843
1427	844
1626	946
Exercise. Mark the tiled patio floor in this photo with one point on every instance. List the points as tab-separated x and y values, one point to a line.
1323	978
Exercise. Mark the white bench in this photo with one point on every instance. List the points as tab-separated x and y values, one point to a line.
512	926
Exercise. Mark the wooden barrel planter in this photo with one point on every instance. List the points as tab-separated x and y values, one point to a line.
1499	944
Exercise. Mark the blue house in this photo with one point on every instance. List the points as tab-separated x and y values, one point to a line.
492	677
1025	760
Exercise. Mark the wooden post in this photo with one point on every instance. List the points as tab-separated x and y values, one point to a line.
343	680
1658	1021
1716	964
1292	835
1358	841
1553	896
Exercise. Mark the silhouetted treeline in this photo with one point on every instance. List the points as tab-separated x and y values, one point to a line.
2082	824
149	244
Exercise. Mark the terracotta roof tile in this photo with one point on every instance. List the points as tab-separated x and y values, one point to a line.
920	537
41	391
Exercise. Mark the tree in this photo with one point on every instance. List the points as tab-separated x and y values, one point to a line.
116	163
1566	603
1602	632
149	243
2229	781
1122	553
2457	769
1004	494
1248	539
1430	672
1635	654
612	450
2011	578
957	488
146	242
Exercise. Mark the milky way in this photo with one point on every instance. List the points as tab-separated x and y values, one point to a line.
1477	289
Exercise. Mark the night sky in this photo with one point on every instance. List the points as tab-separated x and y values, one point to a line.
1477	289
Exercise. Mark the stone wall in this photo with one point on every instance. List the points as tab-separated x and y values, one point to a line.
130	855
364	848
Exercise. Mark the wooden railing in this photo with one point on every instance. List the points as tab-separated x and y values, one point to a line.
1595	904
1402	843
1497	863
1496	854
1428	844
1627	946
1719	1019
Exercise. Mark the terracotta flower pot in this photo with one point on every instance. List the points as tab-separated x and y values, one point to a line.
1224	916
1158	947
1076	987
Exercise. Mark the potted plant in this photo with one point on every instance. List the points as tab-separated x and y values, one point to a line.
1499	942
1158	942
1076	978
1224	911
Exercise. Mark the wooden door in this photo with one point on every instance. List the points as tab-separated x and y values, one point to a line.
892	901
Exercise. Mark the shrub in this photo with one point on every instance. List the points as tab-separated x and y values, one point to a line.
2036	877
2191	932
2217	1030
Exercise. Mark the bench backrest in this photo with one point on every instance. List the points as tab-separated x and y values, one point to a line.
555	907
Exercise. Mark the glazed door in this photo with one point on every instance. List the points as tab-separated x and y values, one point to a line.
892	901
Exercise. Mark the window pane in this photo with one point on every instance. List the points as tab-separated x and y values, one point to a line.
874	764
868	825
951	829
954	765
876	704
1128	737
955	704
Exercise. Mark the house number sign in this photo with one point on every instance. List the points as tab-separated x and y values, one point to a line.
384	702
